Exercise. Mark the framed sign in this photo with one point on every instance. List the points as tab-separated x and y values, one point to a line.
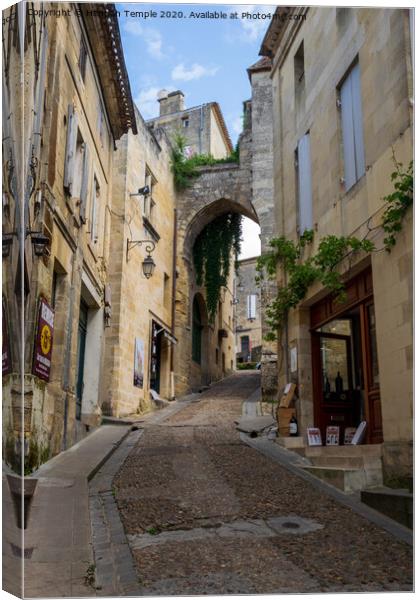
41	366
138	362
314	436
348	435
332	436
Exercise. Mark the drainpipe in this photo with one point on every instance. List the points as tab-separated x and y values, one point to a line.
172	374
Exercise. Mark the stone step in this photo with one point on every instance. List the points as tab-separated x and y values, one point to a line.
394	503
346	480
295	443
345	462
371	450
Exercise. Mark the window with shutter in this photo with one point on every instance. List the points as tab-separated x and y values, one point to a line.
71	143
40	90
352	128
304	184
84	185
251	306
94	210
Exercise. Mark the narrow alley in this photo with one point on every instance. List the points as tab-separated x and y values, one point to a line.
204	513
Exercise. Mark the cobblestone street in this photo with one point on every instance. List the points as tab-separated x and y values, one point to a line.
206	514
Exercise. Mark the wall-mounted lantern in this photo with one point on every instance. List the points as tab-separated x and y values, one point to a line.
148	264
38	239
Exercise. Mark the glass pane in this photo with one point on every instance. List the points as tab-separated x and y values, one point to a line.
372	342
338	326
334	367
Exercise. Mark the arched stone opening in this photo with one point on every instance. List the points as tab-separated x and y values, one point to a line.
210	212
217	338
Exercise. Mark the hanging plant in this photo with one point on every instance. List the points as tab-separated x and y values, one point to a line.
185	170
212	252
323	265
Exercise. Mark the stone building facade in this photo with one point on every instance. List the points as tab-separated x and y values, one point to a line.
203	127
141	329
248	333
75	107
342	106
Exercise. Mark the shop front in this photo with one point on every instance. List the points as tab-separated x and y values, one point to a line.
345	371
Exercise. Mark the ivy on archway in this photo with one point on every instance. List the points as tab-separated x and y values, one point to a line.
212	252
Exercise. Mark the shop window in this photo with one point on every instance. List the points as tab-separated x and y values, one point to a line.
352	127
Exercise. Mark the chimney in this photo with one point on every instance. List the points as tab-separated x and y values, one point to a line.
172	103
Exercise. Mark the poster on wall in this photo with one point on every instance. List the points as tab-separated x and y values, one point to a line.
138	362
43	341
5	352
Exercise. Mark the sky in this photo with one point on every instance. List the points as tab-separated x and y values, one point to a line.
205	58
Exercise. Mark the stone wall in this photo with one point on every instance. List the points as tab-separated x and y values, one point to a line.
333	40
137	301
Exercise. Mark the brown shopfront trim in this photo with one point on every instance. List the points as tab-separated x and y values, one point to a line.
362	399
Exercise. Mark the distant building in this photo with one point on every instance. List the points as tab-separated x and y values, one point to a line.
248	335
203	127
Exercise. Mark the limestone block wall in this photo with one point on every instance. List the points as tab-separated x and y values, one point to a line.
261	118
136	301
200	128
379	40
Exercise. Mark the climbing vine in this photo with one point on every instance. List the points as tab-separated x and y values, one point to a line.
185	170
212	255
397	203
301	271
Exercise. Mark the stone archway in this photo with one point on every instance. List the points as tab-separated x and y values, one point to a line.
218	190
245	188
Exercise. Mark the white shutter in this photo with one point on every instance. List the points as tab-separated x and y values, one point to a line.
22	26
253	306
305	184
357	122
70	148
93	214
40	88
84	185
348	134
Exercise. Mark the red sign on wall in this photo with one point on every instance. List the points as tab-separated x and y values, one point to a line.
43	341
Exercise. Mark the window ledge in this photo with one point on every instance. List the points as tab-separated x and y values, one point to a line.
352	191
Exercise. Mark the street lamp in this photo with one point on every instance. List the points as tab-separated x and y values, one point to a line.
148	264
38	239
